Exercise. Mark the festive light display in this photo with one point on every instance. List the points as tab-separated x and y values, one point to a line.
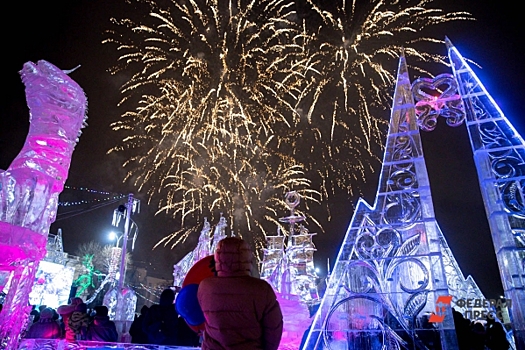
86	280
233	95
113	196
30	187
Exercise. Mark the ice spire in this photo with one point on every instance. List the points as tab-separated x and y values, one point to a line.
389	269
499	155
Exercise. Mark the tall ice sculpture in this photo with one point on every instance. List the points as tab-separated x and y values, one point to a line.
499	155
30	187
389	270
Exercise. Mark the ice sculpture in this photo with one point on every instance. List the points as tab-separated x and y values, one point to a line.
203	248
206	246
121	302
437	97
29	188
499	155
218	234
389	269
459	286
271	270
288	264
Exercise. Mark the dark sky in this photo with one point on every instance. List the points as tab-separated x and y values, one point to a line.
70	33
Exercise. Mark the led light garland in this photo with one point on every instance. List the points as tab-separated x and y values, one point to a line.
116	196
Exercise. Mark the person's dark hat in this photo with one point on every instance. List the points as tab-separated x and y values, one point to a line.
101	310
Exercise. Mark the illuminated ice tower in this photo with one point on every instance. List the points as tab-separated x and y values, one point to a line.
389	270
499	155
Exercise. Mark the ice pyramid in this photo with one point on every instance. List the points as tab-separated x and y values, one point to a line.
390	268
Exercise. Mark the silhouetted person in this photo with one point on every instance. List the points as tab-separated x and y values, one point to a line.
102	328
241	312
496	336
477	336
428	333
462	326
138	336
78	322
160	323
185	335
46	327
35	313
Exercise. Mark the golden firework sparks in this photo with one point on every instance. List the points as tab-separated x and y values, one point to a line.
237	102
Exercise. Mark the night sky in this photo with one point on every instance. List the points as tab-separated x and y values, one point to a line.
70	33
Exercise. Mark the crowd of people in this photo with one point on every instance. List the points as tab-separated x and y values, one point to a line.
480	334
240	312
72	322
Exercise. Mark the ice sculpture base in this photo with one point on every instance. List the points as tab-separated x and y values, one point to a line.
62	344
296	319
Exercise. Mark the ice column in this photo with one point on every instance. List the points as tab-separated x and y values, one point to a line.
29	188
499	155
389	270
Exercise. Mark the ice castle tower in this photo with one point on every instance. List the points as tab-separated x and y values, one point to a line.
390	268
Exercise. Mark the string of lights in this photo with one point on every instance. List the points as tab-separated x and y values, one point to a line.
111	197
70	214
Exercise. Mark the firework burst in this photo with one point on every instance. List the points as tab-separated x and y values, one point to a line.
353	48
238	102
216	81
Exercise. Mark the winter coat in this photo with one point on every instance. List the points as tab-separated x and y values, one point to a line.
46	327
138	336
160	325
102	329
241	312
78	325
65	311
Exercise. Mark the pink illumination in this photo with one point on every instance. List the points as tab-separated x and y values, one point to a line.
29	188
296	320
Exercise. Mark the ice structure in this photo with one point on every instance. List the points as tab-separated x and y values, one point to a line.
288	262
459	286
390	268
499	155
288	266
121	300
30	187
206	246
439	97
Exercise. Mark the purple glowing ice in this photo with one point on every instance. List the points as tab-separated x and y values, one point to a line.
30	187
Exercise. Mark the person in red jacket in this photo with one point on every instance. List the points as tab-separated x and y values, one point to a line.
241	312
